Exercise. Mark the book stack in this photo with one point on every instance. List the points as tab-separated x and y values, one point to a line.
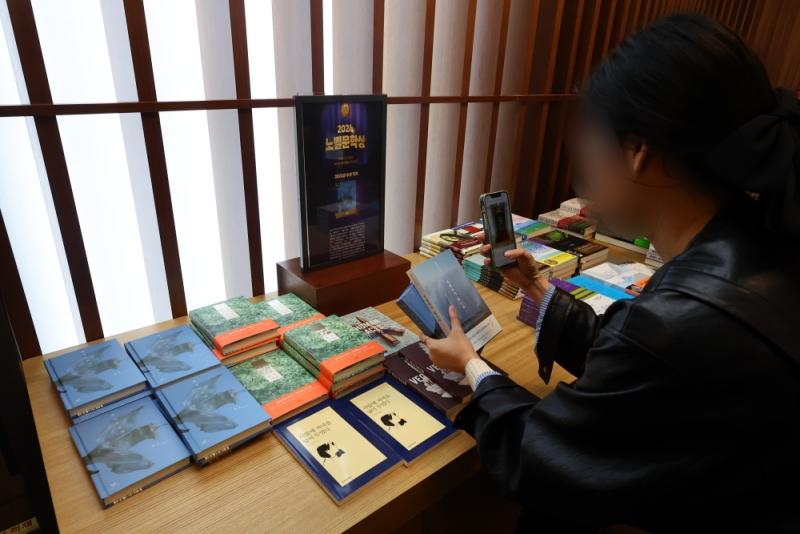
282	386
635	244
561	264
653	258
288	311
435	285
629	277
390	334
589	254
347	444
526	228
464	240
236	329
492	278
571	217
340	356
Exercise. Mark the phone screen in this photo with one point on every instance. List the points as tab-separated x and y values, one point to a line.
499	226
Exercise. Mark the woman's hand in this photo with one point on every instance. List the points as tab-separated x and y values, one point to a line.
524	272
454	351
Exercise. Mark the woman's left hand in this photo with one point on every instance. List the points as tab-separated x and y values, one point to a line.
454	351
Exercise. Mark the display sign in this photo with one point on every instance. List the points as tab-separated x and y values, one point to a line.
341	150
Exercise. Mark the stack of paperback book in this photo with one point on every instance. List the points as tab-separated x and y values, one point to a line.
561	264
571	217
288	311
526	228
236	329
340	356
589	253
463	240
635	244
493	278
435	285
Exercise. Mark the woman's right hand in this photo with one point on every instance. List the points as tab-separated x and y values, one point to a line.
524	272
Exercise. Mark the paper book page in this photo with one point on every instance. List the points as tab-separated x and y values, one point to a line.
397	415
338	447
483	332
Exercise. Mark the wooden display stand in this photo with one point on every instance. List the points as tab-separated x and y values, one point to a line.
347	287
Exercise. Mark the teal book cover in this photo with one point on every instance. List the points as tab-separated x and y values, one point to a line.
231	320
129	448
88	377
390	334
171	355
288	309
325	338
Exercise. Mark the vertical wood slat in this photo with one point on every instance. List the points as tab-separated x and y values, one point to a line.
523	110
38	87
241	72
156	158
498	88
13	295
422	152
462	112
377	46
317	48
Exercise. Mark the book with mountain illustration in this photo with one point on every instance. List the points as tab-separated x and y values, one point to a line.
280	384
128	449
91	377
213	413
337	449
234	326
171	355
289	311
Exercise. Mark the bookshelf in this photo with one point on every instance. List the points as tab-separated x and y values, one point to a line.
260	486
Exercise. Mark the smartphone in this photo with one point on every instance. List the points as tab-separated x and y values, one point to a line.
498	226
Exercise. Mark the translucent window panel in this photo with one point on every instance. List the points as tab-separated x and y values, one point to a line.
75	52
175	49
27	211
10	75
270	204
101	184
191	183
260	48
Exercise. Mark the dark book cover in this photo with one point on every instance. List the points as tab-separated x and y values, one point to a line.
399	368
570	243
453	383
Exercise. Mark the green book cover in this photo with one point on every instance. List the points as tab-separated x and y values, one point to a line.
325	338
218	319
271	376
286	309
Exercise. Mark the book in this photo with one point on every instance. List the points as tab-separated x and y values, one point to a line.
289	311
391	335
339	451
112	406
455	384
171	355
574	206
441	282
334	349
399	368
630	277
526	228
410	301
588	253
634	245
128	449
89	378
574	224
234	325
213	413
562	264
282	386
408	424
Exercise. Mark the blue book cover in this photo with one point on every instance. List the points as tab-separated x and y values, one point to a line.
410	301
128	449
407	423
89	378
609	291
112	406
338	450
441	282
171	355
213	412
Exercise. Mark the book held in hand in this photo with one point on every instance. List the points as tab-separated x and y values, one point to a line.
128	449
338	450
89	378
213	413
441	282
280	384
171	355
411	426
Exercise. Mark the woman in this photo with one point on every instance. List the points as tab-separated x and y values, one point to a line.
686	412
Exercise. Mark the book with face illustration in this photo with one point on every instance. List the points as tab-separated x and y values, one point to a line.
171	355
213	412
128	449
89	378
337	450
409	424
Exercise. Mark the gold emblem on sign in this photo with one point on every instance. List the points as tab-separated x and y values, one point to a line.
345	110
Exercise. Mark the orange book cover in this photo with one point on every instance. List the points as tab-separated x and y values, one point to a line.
316	317
295	399
237	334
341	361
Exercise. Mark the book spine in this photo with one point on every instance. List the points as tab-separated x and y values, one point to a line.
335	364
413	316
243	332
87	463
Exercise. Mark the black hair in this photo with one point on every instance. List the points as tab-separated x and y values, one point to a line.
686	84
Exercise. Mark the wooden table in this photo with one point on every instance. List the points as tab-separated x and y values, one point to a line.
260	487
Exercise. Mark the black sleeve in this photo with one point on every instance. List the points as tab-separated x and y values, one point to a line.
569	328
588	448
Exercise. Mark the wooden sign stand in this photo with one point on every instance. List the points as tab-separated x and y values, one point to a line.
347	287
